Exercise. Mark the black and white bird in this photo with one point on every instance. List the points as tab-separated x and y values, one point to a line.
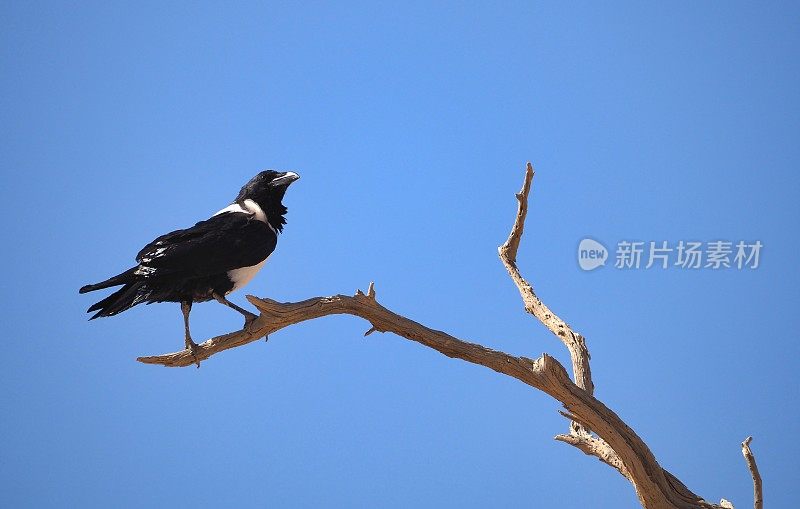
207	261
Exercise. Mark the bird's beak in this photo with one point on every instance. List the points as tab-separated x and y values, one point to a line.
285	179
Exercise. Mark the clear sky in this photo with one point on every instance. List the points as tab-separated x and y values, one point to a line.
410	125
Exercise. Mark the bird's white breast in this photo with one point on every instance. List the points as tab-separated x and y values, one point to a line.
243	275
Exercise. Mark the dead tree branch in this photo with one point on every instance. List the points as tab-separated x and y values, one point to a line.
758	494
610	439
574	342
544	373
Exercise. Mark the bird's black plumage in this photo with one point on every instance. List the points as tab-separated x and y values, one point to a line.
208	260
190	264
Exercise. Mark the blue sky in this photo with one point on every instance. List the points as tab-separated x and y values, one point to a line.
410	126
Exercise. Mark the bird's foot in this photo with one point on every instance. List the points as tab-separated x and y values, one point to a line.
249	318
193	348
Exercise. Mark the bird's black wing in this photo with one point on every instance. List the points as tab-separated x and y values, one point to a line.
226	241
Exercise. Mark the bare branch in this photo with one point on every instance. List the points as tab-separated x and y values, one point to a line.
257	330
595	447
545	373
580	437
509	249
758	494
580	434
574	342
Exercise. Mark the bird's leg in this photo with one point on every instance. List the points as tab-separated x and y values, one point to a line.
248	316
186	307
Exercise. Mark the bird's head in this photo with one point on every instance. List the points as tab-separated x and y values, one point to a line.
267	190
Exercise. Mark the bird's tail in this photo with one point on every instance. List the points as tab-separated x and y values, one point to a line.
124	298
120	279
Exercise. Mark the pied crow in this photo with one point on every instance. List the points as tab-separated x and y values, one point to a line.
207	261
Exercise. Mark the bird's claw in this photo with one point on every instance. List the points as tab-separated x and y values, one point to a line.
193	349
248	322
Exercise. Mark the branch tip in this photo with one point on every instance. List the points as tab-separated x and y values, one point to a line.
252	299
370	291
508	251
750	459
567	415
